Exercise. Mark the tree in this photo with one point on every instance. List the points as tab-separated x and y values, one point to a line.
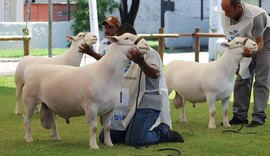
128	17
82	13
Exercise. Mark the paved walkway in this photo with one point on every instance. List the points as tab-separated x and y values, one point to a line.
8	66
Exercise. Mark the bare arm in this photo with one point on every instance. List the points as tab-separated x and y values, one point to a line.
85	48
260	42
148	69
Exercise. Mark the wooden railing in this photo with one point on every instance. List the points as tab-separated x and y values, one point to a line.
196	35
26	41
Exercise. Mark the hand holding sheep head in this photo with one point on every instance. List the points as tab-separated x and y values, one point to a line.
247	52
85	48
136	56
249	47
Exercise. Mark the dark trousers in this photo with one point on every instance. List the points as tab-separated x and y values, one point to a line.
138	132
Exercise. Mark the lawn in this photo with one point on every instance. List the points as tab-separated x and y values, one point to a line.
199	140
18	53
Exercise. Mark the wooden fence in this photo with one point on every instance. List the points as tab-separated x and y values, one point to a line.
161	36
196	35
26	40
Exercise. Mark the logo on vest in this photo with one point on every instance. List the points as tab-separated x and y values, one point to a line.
233	34
127	66
119	117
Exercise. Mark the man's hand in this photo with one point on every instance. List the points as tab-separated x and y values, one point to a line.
85	48
247	52
136	57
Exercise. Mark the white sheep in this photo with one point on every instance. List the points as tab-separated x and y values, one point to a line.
71	57
74	91
199	82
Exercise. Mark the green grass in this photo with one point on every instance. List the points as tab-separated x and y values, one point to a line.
154	44
199	140
17	53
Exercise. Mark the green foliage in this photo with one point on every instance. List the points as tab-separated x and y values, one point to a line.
82	13
199	140
104	6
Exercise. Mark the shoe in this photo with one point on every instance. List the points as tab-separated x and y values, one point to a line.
174	136
254	124
237	121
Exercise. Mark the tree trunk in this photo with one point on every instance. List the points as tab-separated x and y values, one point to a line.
128	16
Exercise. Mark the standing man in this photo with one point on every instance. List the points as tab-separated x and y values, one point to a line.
244	20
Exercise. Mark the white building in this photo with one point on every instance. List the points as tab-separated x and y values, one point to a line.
11	10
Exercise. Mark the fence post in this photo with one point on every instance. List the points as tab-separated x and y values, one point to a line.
161	43
26	42
197	44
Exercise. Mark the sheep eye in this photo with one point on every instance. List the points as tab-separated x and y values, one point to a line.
126	38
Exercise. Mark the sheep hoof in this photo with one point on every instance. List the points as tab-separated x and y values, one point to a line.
17	113
227	125
28	140
211	126
183	120
109	144
55	138
95	147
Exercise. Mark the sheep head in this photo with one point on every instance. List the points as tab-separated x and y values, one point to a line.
248	46
133	41
83	37
241	42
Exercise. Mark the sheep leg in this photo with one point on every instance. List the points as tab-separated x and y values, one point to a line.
19	87
47	118
212	112
36	110
54	133
91	117
178	102
107	126
29	105
225	104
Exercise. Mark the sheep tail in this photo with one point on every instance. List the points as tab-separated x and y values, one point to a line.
47	116
178	101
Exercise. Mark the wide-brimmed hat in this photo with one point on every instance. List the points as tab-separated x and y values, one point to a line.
112	21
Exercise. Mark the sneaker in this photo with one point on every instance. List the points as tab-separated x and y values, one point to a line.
237	121
254	124
174	136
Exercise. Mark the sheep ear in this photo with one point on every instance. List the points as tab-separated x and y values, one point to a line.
70	38
112	39
226	45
